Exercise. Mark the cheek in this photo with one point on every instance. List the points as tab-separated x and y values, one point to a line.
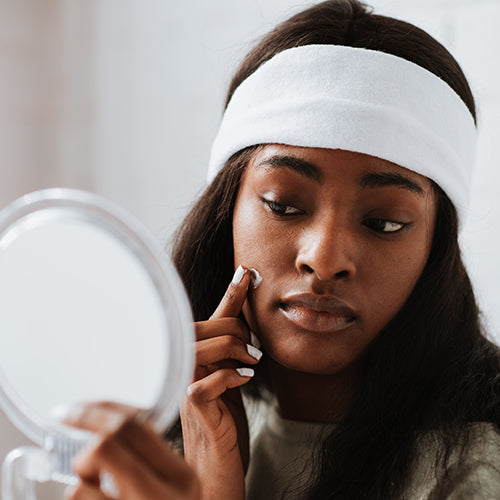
387	280
397	270
259	244
270	250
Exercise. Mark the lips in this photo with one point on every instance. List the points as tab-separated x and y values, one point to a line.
317	313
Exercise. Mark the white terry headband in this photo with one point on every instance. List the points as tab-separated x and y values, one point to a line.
360	100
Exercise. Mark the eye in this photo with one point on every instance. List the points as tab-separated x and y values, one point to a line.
280	208
385	226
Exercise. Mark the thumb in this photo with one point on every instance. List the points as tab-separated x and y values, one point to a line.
235	296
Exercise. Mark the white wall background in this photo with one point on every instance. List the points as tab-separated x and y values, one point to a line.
123	98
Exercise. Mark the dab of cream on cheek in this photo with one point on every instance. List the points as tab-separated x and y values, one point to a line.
256	278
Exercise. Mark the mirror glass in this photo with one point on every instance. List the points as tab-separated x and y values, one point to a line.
80	316
88	312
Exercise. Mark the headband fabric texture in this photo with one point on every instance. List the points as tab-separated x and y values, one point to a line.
359	100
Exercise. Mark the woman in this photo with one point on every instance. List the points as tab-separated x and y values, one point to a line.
339	177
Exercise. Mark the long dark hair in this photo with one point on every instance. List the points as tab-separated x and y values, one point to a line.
432	368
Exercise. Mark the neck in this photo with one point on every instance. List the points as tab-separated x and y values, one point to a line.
311	397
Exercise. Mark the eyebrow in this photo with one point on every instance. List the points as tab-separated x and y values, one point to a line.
369	180
298	165
381	179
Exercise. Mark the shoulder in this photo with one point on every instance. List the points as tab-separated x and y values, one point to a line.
470	471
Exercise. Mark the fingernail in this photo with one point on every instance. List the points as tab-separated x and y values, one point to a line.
254	352
256	277
63	411
245	372
238	275
254	340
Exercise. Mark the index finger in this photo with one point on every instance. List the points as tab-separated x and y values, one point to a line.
138	460
235	296
118	428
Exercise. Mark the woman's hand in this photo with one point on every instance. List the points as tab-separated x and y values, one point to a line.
141	464
213	419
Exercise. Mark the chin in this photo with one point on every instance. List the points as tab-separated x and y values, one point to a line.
303	361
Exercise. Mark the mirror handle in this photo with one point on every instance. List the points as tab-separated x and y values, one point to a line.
21	469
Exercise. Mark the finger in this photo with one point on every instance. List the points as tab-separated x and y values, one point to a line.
210	388
203	397
225	347
84	491
147	444
123	409
132	477
92	417
236	293
138	436
222	326
65	412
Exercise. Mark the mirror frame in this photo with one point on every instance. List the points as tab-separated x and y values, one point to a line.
72	204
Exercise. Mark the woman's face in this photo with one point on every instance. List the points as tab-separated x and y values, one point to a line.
340	239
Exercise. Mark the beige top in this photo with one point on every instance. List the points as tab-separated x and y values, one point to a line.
282	451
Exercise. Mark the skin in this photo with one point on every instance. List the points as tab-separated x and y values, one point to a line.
349	228
141	464
322	223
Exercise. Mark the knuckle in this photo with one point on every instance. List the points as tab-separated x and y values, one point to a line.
232	346
195	393
220	377
230	294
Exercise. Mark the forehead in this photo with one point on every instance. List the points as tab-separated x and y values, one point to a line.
326	163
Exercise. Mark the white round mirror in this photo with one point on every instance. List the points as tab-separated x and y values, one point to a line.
91	310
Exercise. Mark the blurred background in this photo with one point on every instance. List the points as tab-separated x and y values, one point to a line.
123	98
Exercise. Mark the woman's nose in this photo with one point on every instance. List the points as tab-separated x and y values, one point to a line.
327	249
